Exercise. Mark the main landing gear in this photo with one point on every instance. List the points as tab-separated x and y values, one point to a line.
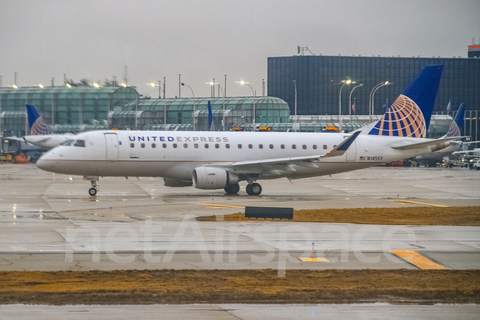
254	189
232	189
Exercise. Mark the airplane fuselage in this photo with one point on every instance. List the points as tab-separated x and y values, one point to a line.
174	155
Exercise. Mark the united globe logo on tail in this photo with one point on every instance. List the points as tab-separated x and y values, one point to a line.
37	124
410	115
39	127
403	119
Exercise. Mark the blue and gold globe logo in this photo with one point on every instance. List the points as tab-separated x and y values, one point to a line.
403	119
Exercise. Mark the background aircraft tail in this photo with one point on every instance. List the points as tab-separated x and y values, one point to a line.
456	127
211	125
36	122
409	115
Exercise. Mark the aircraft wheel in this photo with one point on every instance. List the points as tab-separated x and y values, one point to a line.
254	189
232	189
92	192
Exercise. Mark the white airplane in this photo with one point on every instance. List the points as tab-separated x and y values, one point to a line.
215	160
454	145
40	134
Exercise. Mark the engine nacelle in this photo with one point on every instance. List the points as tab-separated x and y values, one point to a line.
213	178
176	183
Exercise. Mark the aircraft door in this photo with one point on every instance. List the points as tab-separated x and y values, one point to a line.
111	141
351	153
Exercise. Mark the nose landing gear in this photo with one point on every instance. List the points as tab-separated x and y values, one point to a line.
93	183
92	191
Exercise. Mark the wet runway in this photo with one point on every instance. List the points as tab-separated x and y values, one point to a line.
243	311
48	222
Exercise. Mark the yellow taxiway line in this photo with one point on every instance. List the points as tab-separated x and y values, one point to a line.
310	259
428	204
417	260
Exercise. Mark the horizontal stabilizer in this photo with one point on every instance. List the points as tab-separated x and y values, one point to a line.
437	144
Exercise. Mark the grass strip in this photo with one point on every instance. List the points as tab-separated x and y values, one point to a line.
239	286
433	216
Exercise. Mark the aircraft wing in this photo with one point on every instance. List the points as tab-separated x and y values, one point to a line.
14	138
283	164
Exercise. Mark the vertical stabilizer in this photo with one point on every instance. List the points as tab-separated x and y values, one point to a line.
409	115
36	122
211	125
456	127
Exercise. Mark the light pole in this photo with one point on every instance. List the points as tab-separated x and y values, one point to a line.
372	97
193	94
345	82
253	95
295	86
223	106
350	99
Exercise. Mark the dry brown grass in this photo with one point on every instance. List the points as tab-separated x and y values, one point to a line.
238	286
451	216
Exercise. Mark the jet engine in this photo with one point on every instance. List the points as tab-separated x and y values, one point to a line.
213	178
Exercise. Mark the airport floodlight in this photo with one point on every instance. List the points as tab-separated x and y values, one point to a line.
96	85
123	85
241	82
15	86
68	85
40	85
152	84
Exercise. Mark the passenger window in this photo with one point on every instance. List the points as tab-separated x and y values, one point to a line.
250	146
195	145
271	146
325	146
314	147
174	145
294	146
163	145
282	146
79	143
227	146
217	145
304	146
260	146
185	145
132	145
239	146
154	145
142	145
206	145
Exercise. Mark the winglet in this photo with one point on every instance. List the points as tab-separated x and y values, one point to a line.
342	147
36	122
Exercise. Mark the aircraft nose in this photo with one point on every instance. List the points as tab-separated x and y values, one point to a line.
46	162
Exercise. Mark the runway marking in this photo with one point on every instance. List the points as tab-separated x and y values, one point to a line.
316	259
219	205
417	260
428	204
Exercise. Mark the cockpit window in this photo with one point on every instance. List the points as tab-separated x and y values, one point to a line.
67	143
79	143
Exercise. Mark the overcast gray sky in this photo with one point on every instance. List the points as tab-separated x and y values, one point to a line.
203	39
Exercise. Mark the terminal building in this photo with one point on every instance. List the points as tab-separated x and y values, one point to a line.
84	108
314	84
